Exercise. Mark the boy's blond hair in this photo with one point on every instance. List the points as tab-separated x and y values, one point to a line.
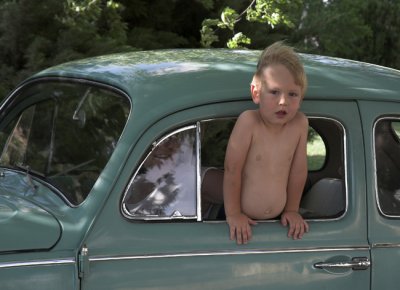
279	53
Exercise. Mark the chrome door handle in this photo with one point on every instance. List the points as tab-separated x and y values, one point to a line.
358	263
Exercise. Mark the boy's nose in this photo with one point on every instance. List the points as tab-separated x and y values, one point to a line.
282	100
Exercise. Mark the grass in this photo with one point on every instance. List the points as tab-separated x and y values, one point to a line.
316	153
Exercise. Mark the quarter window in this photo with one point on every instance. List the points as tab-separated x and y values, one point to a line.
387	156
164	187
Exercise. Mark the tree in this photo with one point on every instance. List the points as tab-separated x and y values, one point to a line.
332	27
266	12
33	36
383	44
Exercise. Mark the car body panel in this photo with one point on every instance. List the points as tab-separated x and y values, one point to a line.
383	232
18	215
138	245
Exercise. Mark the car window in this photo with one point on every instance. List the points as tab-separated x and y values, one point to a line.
165	184
215	141
387	158
66	137
324	195
316	150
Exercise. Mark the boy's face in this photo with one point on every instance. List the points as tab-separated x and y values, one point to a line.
277	95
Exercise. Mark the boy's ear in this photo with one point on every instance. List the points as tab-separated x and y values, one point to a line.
255	92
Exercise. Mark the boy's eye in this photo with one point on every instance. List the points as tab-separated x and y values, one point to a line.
273	92
293	94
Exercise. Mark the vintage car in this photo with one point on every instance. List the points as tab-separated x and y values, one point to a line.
104	162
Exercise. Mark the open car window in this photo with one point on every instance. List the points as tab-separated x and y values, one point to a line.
182	176
65	136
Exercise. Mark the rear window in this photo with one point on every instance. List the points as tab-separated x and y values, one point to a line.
387	158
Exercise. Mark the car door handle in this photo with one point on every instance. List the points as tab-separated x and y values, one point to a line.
357	263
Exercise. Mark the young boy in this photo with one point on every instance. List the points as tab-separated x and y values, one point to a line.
266	159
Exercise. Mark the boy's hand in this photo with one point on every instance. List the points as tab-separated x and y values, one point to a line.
297	225
240	228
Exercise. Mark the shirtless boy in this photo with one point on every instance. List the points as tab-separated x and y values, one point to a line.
266	159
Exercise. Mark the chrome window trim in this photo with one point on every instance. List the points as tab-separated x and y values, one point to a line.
228	253
198	171
124	209
377	200
46	262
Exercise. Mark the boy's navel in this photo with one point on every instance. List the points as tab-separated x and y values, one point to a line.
267	211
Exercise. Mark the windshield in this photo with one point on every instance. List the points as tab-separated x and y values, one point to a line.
65	134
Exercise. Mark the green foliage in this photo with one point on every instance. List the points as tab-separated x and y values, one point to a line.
237	40
33	36
334	28
270	12
382	46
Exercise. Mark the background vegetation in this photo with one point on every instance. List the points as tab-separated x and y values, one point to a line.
38	34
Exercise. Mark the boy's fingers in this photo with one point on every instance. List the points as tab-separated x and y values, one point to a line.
239	239
295	231
306	226
252	222
244	238
291	230
243	235
248	233
232	232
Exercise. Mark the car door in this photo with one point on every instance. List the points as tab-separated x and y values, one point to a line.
381	130
133	245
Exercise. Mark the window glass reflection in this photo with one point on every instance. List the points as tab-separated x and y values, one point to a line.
66	137
165	185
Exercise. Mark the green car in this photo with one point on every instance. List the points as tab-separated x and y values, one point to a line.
104	163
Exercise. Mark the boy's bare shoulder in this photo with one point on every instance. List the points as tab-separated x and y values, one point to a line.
300	120
248	116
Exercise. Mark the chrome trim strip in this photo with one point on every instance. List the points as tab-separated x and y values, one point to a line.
385	246
198	172
66	261
225	253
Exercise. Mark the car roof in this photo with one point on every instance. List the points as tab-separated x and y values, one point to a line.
199	76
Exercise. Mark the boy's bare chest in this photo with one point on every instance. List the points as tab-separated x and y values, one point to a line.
276	149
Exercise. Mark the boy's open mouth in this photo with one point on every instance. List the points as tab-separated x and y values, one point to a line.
281	113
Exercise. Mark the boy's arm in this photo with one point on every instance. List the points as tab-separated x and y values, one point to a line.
236	153
297	179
